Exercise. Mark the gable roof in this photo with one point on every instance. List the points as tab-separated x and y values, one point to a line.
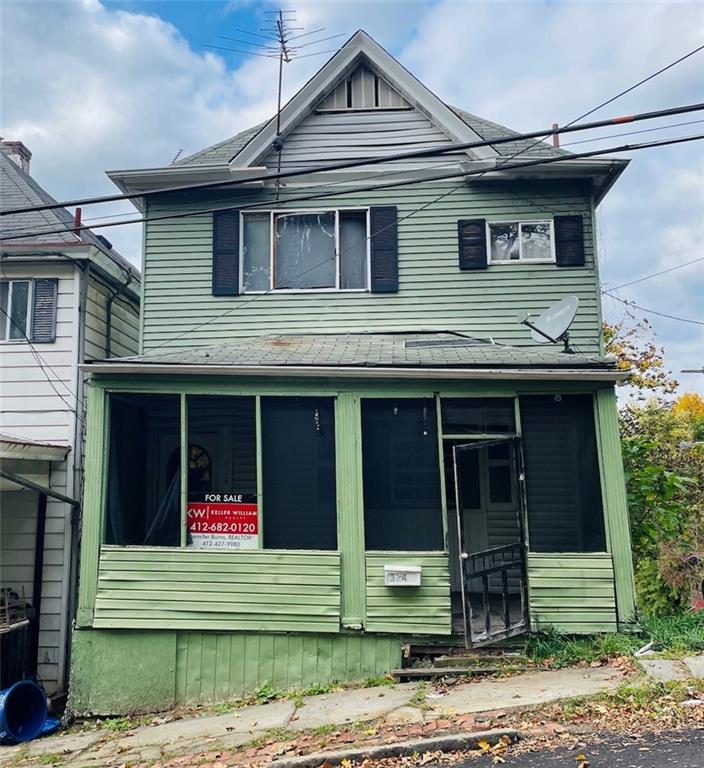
361	49
18	189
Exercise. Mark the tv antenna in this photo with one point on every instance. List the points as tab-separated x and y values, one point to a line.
552	325
279	39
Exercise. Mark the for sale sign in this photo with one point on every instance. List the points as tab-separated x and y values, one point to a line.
223	521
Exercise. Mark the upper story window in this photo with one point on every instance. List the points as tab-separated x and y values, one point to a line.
520	241
14	309
305	250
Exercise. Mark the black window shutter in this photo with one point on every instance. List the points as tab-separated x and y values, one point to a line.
569	241
471	240
383	220
226	253
44	300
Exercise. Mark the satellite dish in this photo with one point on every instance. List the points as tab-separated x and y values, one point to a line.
552	325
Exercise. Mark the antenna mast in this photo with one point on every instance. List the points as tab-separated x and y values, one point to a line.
277	41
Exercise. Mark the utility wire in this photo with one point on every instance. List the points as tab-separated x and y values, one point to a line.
393	184
631	133
653	311
376	160
655	274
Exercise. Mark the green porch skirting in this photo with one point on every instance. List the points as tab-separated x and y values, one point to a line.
119	672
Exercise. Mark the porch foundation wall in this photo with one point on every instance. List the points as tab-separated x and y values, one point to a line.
123	672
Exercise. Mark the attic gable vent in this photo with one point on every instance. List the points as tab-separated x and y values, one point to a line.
363	89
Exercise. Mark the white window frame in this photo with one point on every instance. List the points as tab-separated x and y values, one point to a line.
272	234
5	319
520	259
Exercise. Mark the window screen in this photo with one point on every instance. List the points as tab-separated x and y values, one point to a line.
298	473
143	494
304	253
562	474
402	504
482	416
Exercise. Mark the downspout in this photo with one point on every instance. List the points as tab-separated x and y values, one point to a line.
108	319
77	474
38	577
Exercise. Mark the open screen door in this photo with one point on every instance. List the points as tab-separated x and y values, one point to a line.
492	548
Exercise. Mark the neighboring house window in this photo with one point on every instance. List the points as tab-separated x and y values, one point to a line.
522	241
14	309
305	250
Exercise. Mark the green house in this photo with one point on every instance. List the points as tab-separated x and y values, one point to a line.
338	441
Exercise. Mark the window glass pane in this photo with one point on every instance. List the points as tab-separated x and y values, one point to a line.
562	474
353	249
256	251
298	468
402	507
19	300
504	242
4	291
222	473
305	250
467	415
143	499
535	242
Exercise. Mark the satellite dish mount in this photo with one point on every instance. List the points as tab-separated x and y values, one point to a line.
552	325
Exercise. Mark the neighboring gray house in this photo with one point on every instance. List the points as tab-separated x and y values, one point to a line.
64	299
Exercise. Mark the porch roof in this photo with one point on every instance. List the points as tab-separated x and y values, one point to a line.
364	353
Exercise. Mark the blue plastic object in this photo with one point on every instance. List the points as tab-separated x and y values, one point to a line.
23	712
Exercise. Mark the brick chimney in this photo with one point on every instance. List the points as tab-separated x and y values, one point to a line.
17	152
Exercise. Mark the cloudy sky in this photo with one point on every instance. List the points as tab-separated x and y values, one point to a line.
90	86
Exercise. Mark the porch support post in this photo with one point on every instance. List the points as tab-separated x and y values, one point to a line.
350	509
92	517
616	504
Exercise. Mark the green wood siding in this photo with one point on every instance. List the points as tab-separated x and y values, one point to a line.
616	503
124	323
216	667
162	588
423	610
572	592
433	292
122	672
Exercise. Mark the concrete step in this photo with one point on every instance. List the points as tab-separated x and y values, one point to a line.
479	660
431	673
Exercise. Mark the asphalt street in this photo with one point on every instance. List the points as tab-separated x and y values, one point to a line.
683	749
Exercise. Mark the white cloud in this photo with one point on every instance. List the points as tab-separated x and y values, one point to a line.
105	88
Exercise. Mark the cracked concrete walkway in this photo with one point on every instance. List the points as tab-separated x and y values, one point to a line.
402	703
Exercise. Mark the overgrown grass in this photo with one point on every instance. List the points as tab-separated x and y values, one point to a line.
683	633
680	634
555	650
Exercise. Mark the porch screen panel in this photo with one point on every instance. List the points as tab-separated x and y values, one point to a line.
402	502
563	487
143	489
298	473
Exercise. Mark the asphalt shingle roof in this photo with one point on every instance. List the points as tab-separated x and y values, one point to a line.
227	150
19	190
389	350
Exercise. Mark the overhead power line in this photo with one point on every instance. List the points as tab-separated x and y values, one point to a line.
9	236
653	311
442	149
656	274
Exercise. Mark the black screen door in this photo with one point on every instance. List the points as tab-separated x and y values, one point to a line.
493	578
